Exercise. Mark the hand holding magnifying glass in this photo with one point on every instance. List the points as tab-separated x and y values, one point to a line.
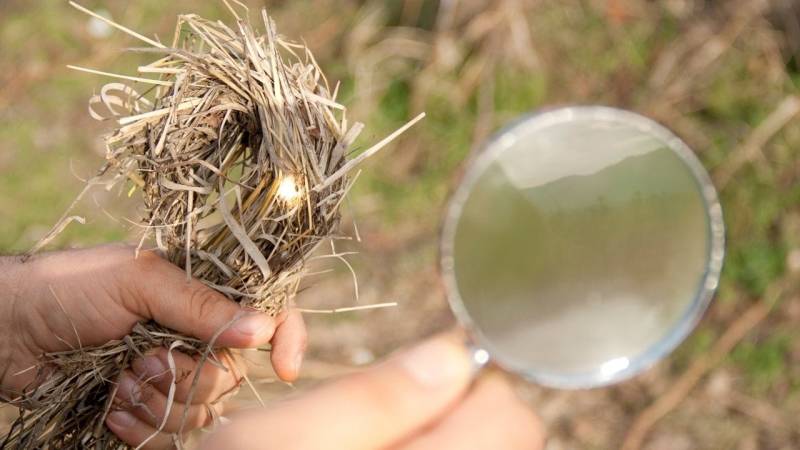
582	246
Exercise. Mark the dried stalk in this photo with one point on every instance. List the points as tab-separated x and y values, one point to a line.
238	148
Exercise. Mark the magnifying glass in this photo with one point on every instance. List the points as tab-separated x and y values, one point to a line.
582	246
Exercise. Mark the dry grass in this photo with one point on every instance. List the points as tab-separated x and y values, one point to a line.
717	73
239	148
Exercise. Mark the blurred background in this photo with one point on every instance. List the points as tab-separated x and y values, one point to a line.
724	75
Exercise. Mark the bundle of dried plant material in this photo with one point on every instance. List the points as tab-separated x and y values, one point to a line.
240	151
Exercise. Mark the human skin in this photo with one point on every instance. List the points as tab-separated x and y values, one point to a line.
62	300
421	399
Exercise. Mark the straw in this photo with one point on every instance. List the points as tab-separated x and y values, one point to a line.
238	151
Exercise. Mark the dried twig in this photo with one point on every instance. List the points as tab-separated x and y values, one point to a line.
678	391
238	149
761	135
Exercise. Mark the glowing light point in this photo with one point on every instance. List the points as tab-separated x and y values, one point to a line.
288	190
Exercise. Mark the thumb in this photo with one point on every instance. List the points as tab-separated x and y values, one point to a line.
372	409
163	293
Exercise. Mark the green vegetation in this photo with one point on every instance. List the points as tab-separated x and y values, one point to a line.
764	362
713	73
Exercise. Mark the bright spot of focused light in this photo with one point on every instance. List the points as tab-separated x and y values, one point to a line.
288	190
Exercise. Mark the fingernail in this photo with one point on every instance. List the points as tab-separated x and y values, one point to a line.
121	419
149	368
437	363
298	361
126	387
254	325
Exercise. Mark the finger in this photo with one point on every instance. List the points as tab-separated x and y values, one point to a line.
149	405
370	409
133	431
490	417
288	346
162	293
213	382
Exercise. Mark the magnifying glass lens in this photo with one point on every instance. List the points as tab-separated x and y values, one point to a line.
581	247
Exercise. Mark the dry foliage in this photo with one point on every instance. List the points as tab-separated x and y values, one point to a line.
239	149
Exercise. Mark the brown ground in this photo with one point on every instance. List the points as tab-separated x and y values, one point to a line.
723	75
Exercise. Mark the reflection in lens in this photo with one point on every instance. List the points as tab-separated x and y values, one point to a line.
580	247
